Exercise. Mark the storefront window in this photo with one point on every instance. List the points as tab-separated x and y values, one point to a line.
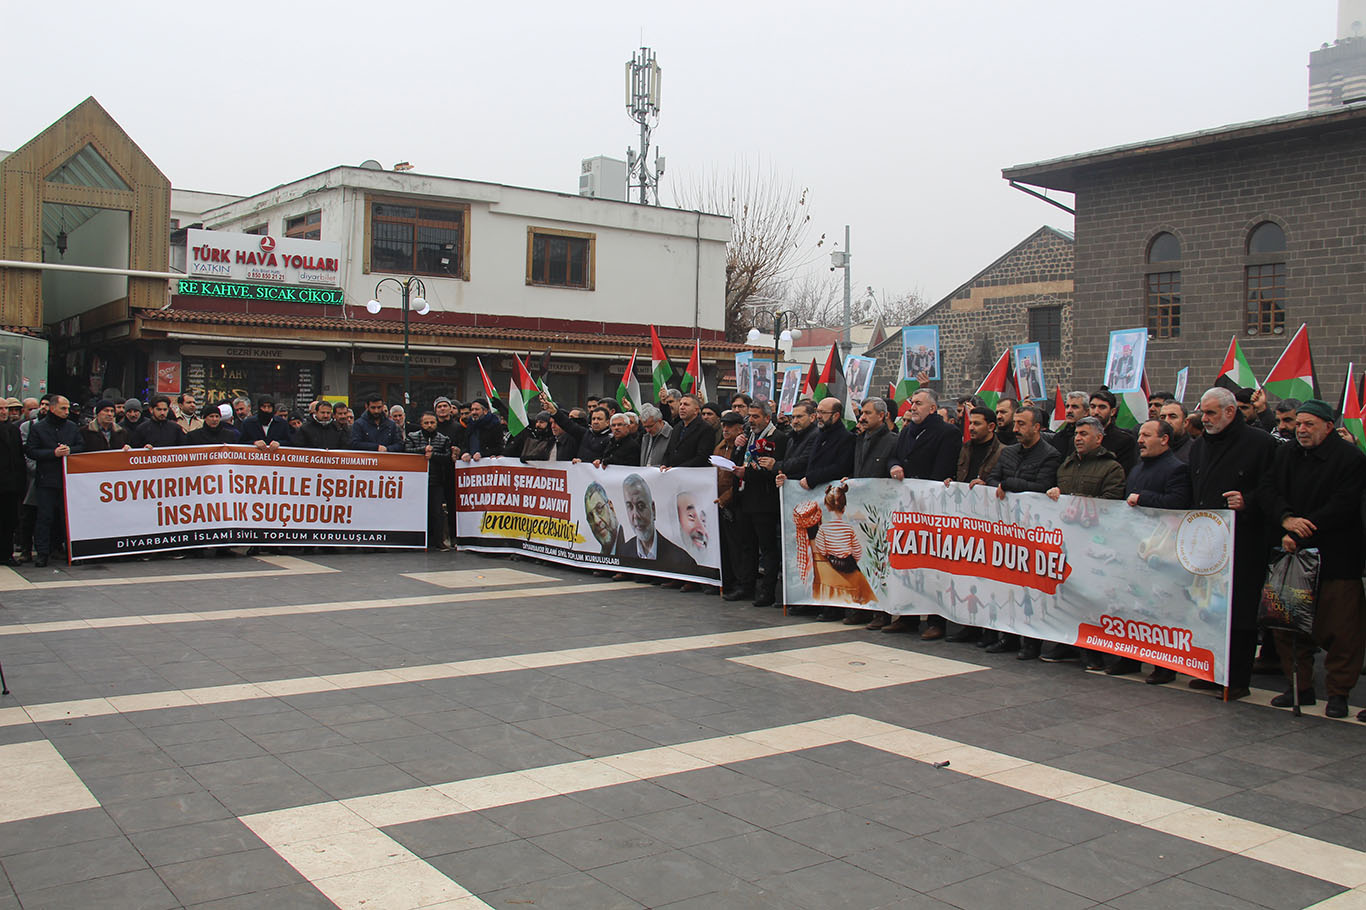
292	383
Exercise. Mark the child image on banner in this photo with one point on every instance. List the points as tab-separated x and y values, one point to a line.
828	550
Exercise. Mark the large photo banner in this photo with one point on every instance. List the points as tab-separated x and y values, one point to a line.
641	521
1149	584
149	500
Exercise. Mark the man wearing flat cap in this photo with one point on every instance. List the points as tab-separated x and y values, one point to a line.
1313	499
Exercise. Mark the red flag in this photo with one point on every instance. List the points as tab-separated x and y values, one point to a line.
488	384
812	377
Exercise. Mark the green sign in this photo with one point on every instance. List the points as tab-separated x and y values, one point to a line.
236	290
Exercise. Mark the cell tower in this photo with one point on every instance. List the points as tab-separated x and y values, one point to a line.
643	78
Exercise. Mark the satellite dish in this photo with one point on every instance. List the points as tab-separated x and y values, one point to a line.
371	164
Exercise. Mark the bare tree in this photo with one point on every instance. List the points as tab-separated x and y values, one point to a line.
771	221
817	298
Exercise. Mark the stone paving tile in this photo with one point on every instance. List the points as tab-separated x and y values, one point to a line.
843	825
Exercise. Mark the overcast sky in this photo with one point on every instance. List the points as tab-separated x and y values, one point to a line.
897	117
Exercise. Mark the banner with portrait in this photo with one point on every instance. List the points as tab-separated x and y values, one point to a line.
641	521
151	500
1150	584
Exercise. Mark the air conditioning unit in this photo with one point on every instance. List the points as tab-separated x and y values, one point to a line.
603	178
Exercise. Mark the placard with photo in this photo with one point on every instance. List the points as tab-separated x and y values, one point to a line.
1124	361
744	373
920	351
858	375
1029	371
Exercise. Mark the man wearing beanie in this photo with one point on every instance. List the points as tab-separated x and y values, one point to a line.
132	415
213	430
1313	499
103	433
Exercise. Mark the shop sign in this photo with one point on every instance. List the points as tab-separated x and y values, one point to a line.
236	290
168	377
261	257
415	359
249	352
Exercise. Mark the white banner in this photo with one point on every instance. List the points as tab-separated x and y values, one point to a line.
148	500
638	520
1151	584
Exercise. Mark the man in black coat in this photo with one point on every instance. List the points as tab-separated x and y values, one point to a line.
1029	466
1312	499
160	431
832	454
50	440
1228	464
1120	442
928	446
623	448
874	445
265	428
321	431
215	431
692	439
800	438
13	485
758	526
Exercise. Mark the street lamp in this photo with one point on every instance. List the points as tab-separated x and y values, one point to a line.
419	301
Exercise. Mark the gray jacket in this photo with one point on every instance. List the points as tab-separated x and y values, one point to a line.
652	448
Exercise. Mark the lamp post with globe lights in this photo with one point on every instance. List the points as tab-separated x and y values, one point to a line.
780	335
414	297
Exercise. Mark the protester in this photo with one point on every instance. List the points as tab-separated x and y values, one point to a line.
654	442
1005	420
50	441
622	448
1105	408
1075	407
1313	499
1090	472
759	527
1028	466
321	430
373	431
1227	464
435	446
1174	414
727	506
264	429
186	412
691	442
1285	420
874	447
214	430
159	431
564	446
13	484
103	432
132	415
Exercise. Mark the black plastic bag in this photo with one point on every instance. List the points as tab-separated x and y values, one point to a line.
1291	591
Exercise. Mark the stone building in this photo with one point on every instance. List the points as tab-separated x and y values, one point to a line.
1247	230
1024	296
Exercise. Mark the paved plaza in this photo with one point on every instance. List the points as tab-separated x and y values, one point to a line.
384	731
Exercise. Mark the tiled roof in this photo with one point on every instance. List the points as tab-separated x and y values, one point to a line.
491	334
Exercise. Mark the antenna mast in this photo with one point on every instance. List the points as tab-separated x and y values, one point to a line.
643	78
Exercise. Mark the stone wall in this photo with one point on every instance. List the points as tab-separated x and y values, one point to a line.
1211	200
991	312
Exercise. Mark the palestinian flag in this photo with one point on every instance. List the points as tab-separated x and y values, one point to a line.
831	383
1235	373
1133	406
1059	416
694	382
628	390
522	390
902	391
488	383
660	367
993	388
812	378
1351	411
1293	375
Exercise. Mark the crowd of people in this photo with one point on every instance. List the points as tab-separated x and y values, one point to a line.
1290	473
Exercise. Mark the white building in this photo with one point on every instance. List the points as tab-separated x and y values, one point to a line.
505	269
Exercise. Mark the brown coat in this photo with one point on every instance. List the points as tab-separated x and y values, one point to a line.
993	455
725	480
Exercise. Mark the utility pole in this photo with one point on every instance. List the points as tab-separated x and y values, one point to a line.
840	260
